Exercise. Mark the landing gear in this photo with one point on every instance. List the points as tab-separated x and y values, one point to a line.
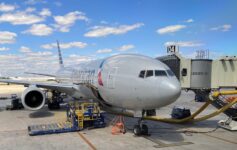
54	102
137	130
53	105
144	129
140	129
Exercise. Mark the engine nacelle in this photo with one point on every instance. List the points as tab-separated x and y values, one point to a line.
33	98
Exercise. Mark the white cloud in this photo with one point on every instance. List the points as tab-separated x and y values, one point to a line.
126	47
44	62
25	49
39	30
102	51
8	57
20	18
75	59
63	23
170	29
184	43
223	28
102	31
33	2
5	7
189	20
30	9
65	45
48	46
45	12
4	49
39	54
7	37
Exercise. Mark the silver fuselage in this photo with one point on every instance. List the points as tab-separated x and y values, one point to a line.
117	82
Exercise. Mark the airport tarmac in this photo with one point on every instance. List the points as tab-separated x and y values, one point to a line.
202	135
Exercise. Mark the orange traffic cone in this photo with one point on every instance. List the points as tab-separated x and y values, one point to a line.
118	125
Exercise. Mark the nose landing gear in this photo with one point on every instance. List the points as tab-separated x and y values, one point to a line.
140	129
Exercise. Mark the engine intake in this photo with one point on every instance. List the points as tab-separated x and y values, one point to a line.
33	98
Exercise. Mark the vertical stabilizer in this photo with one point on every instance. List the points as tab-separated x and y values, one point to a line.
60	56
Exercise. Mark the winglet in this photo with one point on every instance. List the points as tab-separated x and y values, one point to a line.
60	56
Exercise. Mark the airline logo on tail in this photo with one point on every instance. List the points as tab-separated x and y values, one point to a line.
100	74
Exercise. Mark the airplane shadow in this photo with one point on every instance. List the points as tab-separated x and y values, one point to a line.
176	132
166	132
206	124
156	131
41	114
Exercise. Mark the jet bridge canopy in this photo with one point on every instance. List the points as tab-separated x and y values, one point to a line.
173	62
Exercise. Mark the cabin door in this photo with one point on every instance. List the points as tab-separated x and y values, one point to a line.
111	78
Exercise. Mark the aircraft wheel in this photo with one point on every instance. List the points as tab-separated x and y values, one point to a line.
137	130
144	129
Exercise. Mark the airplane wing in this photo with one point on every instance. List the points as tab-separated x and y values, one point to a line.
40	74
52	86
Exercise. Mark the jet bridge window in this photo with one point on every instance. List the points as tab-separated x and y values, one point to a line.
160	73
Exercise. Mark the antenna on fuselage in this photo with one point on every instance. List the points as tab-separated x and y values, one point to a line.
60	55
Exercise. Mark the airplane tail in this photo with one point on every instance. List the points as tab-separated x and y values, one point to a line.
60	56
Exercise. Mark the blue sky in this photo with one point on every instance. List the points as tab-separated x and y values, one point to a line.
89	29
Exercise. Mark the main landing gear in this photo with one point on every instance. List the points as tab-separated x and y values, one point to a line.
54	102
140	129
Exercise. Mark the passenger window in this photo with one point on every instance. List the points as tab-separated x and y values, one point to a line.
142	74
170	73
149	73
160	73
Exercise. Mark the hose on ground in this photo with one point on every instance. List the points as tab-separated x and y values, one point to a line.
192	118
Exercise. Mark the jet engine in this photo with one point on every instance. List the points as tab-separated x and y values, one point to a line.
33	98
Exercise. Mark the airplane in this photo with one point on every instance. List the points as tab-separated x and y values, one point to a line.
118	83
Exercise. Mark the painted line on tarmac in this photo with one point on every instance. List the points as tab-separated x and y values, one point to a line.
215	137
87	141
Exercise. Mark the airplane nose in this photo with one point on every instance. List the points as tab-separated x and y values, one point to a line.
173	88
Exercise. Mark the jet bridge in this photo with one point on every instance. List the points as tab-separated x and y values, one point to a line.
203	74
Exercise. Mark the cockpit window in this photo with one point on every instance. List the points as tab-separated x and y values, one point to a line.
149	73
160	73
142	74
170	73
157	73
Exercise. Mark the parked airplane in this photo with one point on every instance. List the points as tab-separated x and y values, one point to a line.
120	82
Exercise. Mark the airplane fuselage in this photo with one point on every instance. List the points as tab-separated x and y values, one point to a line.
128	81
